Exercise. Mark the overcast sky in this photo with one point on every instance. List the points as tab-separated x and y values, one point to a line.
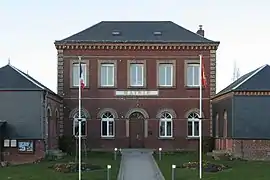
30	27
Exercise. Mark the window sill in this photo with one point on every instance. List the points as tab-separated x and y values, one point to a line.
83	136
193	137
137	87
107	87
108	137
166	87
164	138
77	87
194	87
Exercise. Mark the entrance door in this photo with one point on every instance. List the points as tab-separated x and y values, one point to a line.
136	129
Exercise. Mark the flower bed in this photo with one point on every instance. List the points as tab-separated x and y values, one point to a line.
73	167
207	166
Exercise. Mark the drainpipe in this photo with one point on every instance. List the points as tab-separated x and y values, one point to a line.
45	127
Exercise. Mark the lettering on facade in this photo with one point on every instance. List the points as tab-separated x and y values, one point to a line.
136	93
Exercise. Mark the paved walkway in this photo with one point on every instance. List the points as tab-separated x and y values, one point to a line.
138	165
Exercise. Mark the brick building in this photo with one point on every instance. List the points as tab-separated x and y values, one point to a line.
142	82
241	116
29	117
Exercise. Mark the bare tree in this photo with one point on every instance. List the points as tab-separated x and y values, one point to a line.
236	72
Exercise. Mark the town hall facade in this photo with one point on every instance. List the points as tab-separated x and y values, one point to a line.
141	84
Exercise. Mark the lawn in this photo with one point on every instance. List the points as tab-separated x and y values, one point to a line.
41	171
242	170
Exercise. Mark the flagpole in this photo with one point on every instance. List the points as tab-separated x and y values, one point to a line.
80	123
200	121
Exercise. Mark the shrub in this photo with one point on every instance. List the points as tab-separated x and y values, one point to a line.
67	144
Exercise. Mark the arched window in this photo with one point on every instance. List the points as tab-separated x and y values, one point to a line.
217	125
165	125
49	113
57	122
193	124
107	125
225	124
76	124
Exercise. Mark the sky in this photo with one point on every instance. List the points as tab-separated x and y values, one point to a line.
29	28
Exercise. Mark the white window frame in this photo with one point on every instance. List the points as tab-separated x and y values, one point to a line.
130	74
84	74
170	84
189	65
107	120
193	120
107	65
76	120
166	120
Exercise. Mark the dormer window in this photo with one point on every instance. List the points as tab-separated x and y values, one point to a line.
157	33
116	33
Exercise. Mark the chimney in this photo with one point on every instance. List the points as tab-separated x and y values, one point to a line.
200	31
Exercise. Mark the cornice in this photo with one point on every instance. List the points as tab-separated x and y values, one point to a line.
252	93
221	97
127	46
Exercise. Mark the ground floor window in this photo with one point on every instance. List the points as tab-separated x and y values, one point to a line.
193	124
76	124
107	125
165	125
76	127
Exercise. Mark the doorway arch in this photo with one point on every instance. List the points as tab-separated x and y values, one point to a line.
137	125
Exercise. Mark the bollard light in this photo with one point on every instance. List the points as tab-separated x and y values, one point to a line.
115	153
173	171
159	153
108	172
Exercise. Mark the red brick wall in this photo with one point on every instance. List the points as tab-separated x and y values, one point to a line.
247	149
12	155
252	149
53	121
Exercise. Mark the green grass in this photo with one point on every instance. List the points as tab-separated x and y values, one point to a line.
242	170
41	171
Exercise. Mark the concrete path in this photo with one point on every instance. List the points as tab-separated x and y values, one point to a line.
138	164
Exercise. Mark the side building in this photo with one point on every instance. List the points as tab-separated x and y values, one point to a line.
142	84
29	117
241	116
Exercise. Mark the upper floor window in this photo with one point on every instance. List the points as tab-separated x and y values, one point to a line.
165	75
107	75
76	75
193	74
136	75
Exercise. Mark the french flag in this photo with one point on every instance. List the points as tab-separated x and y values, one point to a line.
81	76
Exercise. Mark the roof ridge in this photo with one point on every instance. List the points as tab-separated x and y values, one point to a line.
247	78
22	74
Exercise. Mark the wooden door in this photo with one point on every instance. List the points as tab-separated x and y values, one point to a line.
136	129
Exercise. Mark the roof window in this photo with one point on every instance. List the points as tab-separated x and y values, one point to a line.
116	33
157	33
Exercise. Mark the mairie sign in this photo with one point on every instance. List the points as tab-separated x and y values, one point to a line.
136	93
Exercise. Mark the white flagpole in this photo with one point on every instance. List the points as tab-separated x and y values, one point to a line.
80	124
200	121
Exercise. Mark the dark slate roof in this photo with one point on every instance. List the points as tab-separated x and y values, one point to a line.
136	32
252	81
2	123
12	78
